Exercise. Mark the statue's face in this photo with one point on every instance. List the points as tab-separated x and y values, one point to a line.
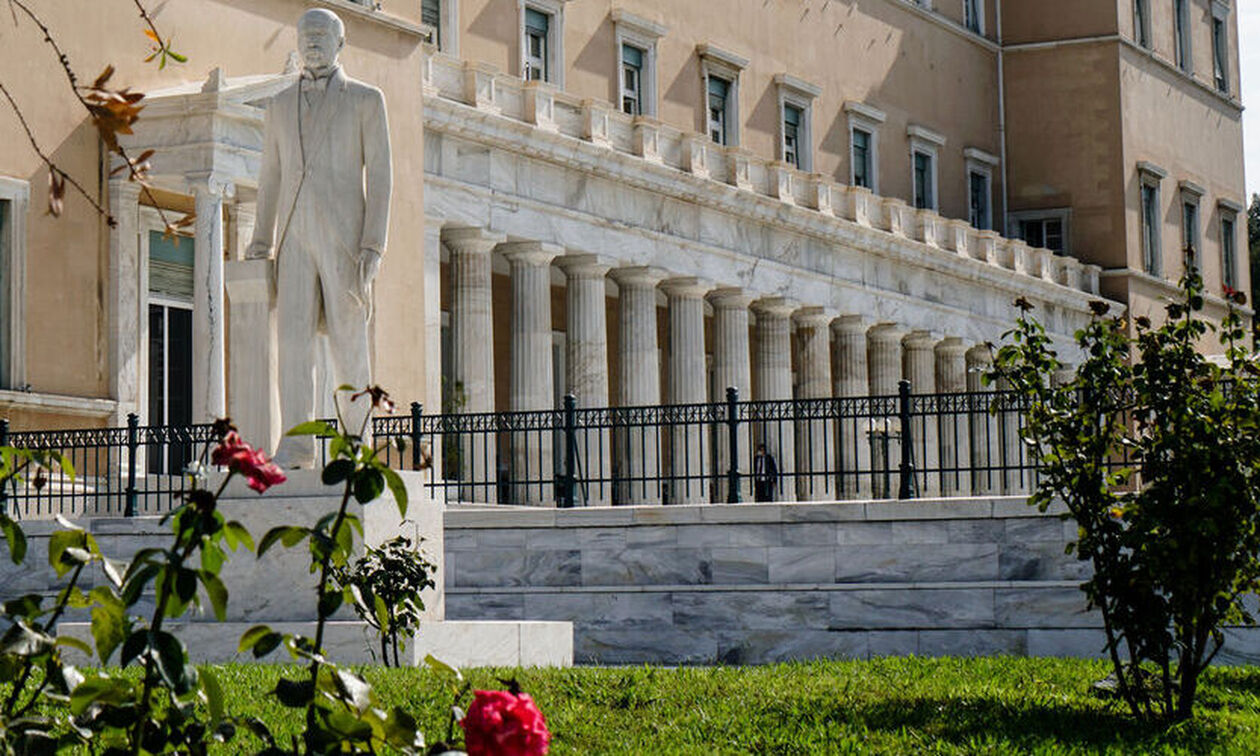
319	44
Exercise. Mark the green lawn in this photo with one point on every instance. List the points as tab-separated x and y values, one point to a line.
896	705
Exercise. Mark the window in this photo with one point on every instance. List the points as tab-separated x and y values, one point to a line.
631	80
980	166
924	145
636	50
1220	46
14	199
973	16
864	122
792	118
863	168
1142	22
1190	230
1181	34
924	196
537	43
431	15
719	94
1150	176
979	200
1047	232
719	72
170	347
796	99
1229	250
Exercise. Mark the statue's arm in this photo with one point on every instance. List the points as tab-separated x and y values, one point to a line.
379	174
268	189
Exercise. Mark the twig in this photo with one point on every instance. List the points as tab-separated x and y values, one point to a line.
56	171
64	61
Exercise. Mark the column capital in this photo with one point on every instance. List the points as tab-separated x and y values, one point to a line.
433	226
638	275
210	183
849	324
123	190
781	307
685	287
979	355
532	253
730	298
919	339
951	345
885	332
583	265
814	317
472	240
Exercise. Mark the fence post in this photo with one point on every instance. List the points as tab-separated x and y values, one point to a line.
4	488
906	488
415	435
732	432
569	482
133	444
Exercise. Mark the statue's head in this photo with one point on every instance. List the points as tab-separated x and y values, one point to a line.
321	36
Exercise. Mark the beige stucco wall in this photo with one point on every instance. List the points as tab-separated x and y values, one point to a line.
67	258
1027	21
880	52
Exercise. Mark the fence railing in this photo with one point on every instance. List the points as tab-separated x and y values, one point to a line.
905	446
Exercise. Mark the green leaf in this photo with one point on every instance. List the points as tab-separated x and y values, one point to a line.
295	694
289	535
109	625
443	668
236	534
172	662
59	543
69	641
102	689
16	539
353	689
397	488
217	592
251	637
214	695
337	471
135	645
368	485
312	428
329	603
135	584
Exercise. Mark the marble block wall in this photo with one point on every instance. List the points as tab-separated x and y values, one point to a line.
771	582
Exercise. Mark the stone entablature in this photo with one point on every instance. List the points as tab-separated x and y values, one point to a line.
646	153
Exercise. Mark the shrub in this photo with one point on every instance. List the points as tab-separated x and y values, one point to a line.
1155	450
389	581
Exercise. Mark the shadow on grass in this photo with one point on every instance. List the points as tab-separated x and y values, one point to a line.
960	720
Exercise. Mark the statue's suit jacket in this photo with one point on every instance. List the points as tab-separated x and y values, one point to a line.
325	181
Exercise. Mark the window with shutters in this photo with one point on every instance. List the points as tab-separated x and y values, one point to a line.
636	62
864	124
632	60
1229	249
1181	35
796	115
973	15
719	90
537	45
1142	22
14	202
1220	46
1049	229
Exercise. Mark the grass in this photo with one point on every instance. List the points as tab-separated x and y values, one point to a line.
894	705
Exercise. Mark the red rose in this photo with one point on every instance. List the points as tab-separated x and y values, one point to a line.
238	456
501	724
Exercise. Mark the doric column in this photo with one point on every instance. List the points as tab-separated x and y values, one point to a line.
639	374
851	379
951	383
209	327
689	469
772	364
918	367
883	355
586	368
815	439
127	353
434	370
986	477
472	351
732	368
533	381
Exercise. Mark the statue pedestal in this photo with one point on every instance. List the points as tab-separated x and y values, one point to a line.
253	373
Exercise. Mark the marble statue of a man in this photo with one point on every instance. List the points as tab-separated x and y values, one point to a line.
323	207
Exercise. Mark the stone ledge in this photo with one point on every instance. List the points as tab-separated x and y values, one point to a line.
459	643
763	587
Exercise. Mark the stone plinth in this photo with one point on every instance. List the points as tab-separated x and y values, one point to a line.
254	401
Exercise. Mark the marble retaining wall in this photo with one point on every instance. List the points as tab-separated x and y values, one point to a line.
771	582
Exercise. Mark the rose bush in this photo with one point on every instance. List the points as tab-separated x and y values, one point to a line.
241	458
500	723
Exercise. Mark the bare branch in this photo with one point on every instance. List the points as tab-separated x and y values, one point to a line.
56	172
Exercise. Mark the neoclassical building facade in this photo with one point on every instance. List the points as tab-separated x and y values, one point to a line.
644	201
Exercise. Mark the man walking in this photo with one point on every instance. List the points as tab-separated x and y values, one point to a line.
765	475
323	207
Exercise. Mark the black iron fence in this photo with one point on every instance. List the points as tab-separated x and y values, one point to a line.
902	446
